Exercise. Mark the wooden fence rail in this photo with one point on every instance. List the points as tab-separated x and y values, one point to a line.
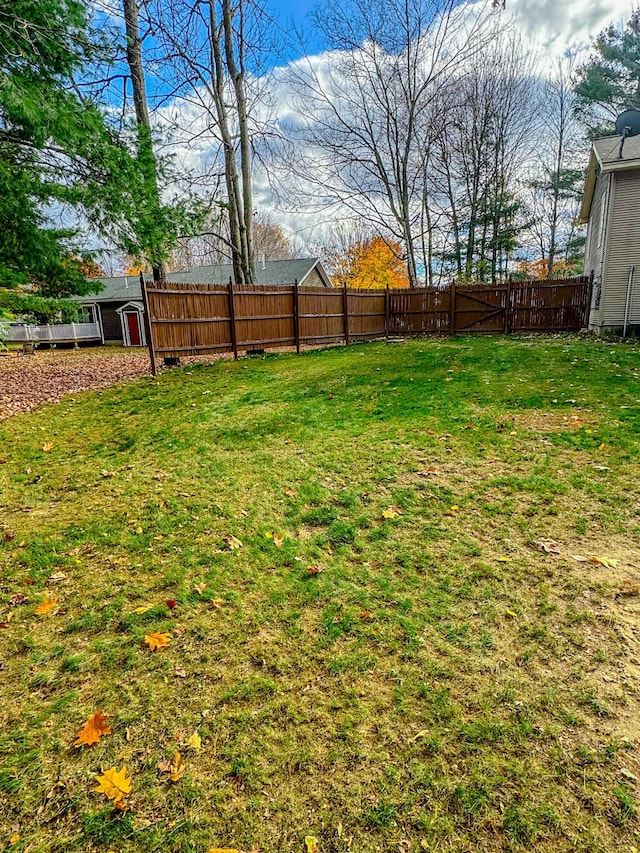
194	319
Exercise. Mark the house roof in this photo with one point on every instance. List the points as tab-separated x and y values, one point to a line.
127	288
605	157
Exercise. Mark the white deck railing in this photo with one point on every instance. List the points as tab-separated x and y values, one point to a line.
56	333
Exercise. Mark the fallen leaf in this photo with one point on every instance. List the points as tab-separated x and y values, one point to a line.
156	640
365	614
602	446
422	733
195	742
222	850
17	599
549	546
607	562
46	607
311	843
143	608
93	729
290	493
57	577
138	530
106	473
232	542
171	604
391	512
180	673
315	570
200	588
174	768
511	613
579	558
278	540
452	511
14	838
114	784
47	446
628	774
504	559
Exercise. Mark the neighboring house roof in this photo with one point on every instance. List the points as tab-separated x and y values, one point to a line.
605	157
127	288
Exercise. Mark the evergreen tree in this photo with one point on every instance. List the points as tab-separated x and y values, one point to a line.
610	81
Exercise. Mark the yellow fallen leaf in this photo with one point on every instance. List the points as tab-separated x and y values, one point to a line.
390	512
46	607
194	742
114	784
504	559
14	838
269	534
222	850
47	446
311	843
156	640
511	613
138	530
602	446
607	562
143	608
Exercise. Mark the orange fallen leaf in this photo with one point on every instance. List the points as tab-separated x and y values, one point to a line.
290	493
93	729
156	640
278	540
45	607
365	614
315	570
174	768
47	446
114	784
607	562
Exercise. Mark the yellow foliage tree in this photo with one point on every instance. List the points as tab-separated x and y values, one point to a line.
372	264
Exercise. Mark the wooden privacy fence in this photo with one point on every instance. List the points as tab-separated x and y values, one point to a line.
195	319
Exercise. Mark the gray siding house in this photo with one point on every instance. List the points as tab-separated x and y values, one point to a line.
611	207
119	310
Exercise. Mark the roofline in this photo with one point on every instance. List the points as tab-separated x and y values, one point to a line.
321	272
598	167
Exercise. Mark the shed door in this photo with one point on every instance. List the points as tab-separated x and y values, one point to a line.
133	325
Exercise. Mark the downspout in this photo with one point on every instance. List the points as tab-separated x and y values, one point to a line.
627	305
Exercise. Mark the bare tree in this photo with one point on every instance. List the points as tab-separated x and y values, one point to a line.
206	49
370	106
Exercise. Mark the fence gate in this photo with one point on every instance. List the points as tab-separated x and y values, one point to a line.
481	309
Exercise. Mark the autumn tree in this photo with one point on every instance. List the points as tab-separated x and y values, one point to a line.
374	264
270	240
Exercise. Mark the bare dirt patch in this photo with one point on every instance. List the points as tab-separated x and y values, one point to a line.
45	377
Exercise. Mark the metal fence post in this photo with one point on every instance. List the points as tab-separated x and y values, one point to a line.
232	319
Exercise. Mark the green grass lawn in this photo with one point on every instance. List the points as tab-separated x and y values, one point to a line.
440	685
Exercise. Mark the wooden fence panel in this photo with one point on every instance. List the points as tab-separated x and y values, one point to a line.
561	305
264	317
424	311
188	318
366	310
192	319
321	316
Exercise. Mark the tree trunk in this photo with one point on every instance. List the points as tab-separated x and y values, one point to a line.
145	144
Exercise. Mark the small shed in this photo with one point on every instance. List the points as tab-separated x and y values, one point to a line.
611	207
